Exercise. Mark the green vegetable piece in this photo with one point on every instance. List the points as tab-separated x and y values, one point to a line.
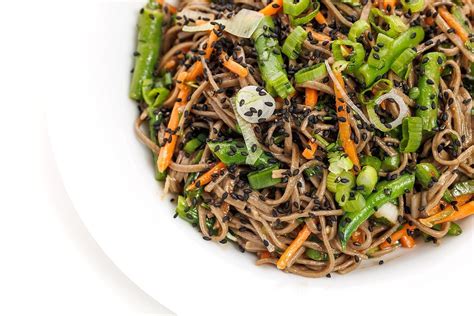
357	29
355	202
428	85
316	255
400	65
263	178
295	8
345	181
194	143
391	163
148	48
413	5
454	229
235	153
426	174
408	39
307	18
463	188
356	57
391	190
411	134
367	178
292	45
372	161
270	61
315	72
414	93
395	25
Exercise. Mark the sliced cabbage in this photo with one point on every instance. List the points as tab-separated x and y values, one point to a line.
254	104
243	24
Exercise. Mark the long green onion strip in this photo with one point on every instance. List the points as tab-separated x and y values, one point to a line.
401	64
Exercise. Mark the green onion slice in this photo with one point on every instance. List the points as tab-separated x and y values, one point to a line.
355	202
411	134
357	29
413	5
356	56
307	18
395	24
315	72
292	45
402	112
400	65
295	9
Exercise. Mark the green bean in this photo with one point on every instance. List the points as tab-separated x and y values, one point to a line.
148	48
428	84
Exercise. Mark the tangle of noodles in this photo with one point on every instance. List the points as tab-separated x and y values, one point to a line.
266	221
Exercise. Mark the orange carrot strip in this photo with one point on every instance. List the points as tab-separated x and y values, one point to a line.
233	66
311	97
357	236
265	255
309	153
197	69
320	18
391	3
429	21
207	177
344	127
453	23
166	152
320	36
293	247
407	242
462	212
463	199
272	8
396	236
170	64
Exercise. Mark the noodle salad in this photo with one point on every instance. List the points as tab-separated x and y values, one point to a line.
313	134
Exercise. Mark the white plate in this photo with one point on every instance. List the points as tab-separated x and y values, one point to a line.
109	177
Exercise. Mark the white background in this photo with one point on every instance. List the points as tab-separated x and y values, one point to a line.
49	264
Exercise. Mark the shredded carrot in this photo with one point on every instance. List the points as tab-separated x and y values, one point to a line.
272	8
309	153
463	199
320	36
197	69
311	97
391	3
344	127
170	64
429	21
396	236
357	236
407	242
320	18
462	212
293	247
166	152
207	177
233	66
453	23
200	22
265	255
